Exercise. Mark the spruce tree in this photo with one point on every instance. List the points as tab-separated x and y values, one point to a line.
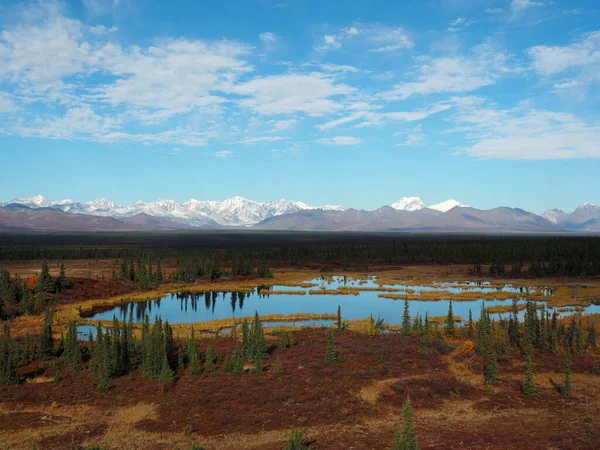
568	386
210	359
470	331
193	355
490	368
331	355
72	350
258	344
62	282
297	441
44	282
406	438
424	335
166	373
449	326
339	322
9	357
46	345
406	320
528	387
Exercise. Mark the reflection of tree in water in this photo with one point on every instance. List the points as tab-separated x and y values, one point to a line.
188	301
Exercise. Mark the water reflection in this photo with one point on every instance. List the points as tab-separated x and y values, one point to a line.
186	307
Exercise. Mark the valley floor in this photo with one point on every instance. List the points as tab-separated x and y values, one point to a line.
355	404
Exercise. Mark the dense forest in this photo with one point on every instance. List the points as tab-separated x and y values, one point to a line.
199	253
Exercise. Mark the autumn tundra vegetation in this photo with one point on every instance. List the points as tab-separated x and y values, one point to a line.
351	384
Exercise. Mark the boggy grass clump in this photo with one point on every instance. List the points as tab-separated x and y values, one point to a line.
427	391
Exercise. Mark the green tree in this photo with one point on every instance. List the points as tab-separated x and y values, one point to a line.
297	441
528	387
331	355
44	282
406	438
568	386
193	354
62	282
9	357
72	350
46	345
449	325
406	320
210	359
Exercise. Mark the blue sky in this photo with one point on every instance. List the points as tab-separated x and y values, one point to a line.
354	103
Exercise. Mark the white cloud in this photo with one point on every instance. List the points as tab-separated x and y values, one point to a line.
378	37
525	133
290	93
342	120
377	118
550	60
268	37
282	125
340	140
330	42
521	5
482	67
223	154
6	103
101	29
568	84
256	140
460	23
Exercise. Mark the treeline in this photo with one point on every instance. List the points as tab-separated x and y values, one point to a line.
117	350
18	296
202	254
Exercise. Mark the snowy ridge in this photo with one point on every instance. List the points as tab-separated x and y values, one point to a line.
235	211
415	204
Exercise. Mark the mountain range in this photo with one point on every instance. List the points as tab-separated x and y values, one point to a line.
407	214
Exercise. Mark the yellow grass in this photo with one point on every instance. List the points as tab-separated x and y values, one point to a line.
276	292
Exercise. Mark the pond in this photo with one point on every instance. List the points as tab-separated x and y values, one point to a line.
212	305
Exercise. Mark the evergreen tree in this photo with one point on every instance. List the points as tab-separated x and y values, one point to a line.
592	337
331	355
406	320
166	373
158	275
258	344
568	386
470	332
44	282
425	336
339	322
264	271
490	368
72	350
193	354
297	441
46	345
528	387
406	438
62	282
210	359
449	326
9	357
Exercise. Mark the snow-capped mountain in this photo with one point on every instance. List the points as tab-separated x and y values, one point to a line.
586	217
415	204
555	215
409	204
447	205
235	211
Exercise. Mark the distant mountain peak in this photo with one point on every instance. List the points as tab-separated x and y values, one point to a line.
447	205
409	204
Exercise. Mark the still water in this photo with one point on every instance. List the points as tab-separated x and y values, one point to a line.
212	305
